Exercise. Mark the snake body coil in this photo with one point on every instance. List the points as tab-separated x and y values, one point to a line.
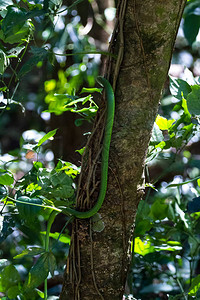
105	154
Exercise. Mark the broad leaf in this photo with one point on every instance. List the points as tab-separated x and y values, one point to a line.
159	210
143	248
13	292
28	207
193	101
38	272
9	277
6	179
191	27
179	88
195	286
163	123
13	21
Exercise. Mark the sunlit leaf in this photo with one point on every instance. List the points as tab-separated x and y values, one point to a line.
46	137
195	286
143	247
62	238
29	252
163	123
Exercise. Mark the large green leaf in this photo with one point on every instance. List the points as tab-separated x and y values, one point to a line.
9	277
19	36
159	210
28	207
179	87
195	286
191	27
13	292
193	101
38	272
6	178
13	21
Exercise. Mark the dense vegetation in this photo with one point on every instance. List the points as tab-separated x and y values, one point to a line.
48	69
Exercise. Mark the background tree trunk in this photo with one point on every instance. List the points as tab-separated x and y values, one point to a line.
143	41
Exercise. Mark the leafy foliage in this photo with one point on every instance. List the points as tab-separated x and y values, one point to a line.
166	243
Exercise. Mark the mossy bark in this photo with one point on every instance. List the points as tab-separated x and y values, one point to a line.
99	260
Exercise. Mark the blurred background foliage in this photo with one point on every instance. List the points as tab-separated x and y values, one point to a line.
49	51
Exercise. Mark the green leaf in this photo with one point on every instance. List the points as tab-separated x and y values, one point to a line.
163	123
4	62
81	151
13	21
13	291
142	226
191	27
159	210
193	101
62	238
29	252
6	179
194	245
38	54
91	90
51	263
179	88
28	207
38	272
9	277
195	286
143	247
46	137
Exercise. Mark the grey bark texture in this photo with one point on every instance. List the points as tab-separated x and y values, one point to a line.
99	260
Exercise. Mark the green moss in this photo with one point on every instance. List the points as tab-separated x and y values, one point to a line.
159	11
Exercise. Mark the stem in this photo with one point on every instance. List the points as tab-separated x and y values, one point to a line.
49	224
181	288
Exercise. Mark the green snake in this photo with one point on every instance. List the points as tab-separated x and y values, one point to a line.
104	156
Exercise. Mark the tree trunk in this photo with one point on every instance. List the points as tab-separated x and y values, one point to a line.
143	41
